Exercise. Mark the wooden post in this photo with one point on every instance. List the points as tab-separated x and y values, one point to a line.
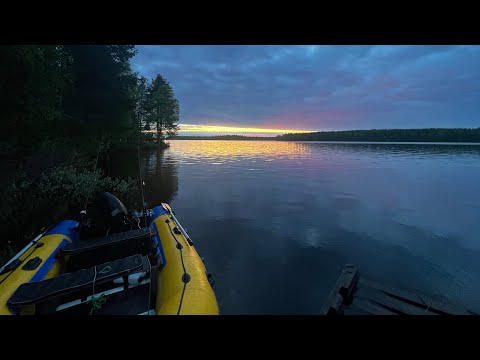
342	293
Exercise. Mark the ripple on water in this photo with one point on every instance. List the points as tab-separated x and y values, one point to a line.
381	206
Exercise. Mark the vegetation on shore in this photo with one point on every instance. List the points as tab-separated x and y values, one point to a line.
62	109
390	135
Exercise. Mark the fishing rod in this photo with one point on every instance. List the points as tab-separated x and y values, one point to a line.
142	184
94	177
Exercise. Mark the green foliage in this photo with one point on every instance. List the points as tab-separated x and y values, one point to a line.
74	184
79	92
57	104
31	83
162	108
140	93
98	100
59	194
392	135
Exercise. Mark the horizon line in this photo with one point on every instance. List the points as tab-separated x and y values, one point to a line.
237	129
284	131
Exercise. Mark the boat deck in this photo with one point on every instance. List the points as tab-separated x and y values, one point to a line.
123	286
355	295
134	301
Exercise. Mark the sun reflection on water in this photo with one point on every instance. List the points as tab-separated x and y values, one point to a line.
269	150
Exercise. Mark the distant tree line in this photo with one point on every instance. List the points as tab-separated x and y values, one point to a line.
376	135
393	135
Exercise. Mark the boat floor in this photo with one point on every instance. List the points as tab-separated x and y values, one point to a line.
117	289
133	301
355	295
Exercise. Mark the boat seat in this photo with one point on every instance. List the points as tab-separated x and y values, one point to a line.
85	254
100	242
33	292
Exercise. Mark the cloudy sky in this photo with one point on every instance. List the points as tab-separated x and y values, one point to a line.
247	88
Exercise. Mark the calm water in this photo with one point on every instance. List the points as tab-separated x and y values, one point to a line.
277	221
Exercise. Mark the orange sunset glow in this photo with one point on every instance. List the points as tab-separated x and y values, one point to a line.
216	150
234	129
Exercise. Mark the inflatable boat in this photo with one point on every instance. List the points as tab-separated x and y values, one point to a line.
110	262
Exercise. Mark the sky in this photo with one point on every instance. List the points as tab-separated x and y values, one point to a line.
267	90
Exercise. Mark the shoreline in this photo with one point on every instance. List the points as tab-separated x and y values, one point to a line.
425	135
343	142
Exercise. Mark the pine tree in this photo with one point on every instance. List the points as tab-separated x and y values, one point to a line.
163	108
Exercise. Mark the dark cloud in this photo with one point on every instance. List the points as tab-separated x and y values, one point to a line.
321	87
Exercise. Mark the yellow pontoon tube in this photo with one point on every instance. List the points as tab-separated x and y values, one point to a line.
183	286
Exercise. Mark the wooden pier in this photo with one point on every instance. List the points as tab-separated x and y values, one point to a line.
354	295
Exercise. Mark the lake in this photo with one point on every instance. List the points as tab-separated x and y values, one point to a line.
277	221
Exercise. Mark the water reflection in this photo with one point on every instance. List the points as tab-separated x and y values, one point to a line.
277	221
161	179
159	171
400	148
218	149
277	149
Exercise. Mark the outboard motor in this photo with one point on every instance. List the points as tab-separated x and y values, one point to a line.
111	211
107	216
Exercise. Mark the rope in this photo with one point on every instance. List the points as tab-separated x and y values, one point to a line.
181	299
98	301
183	265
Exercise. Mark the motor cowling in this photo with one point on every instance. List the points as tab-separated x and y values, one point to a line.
108	215
111	211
